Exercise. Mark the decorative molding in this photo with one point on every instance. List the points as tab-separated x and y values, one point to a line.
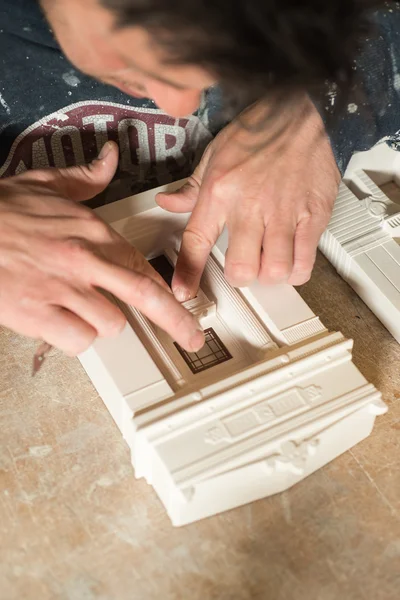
292	457
302	331
256	333
137	320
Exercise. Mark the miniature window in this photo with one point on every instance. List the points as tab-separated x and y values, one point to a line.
212	354
162	265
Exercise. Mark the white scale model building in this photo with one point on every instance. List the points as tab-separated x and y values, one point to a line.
272	397
362	238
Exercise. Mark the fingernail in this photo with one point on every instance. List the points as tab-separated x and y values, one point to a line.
105	151
197	340
298	279
182	294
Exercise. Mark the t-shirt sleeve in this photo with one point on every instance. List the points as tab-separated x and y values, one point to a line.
371	111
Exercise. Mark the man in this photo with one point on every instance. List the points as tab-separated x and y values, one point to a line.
135	71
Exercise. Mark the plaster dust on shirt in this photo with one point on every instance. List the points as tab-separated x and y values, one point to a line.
4	104
71	79
352	108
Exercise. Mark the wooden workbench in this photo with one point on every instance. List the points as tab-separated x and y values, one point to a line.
76	525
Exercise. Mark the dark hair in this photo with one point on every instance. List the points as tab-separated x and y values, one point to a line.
258	46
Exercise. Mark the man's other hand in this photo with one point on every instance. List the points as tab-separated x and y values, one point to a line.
272	183
56	255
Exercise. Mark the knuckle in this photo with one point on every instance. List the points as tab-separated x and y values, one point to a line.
79	342
145	287
74	250
92	224
39	175
86	172
64	175
115	325
318	209
99	230
277	271
87	214
184	322
241	272
196	239
193	182
223	187
307	213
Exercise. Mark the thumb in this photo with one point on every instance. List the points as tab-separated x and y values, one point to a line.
183	200
84	182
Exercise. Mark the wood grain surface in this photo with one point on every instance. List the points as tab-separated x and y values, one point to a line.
76	525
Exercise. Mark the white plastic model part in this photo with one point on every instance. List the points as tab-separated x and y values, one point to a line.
272	397
362	238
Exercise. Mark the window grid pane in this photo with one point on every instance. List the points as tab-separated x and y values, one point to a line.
213	353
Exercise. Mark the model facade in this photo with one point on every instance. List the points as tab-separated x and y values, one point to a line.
362	238
272	396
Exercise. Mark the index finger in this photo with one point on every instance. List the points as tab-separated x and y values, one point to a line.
201	233
129	257
151	299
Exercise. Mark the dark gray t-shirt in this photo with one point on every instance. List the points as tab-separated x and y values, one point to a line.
52	115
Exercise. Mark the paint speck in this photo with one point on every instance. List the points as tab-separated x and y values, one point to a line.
352	108
5	105
71	79
69	93
27	29
40	451
332	94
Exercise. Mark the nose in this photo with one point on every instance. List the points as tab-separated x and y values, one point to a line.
173	101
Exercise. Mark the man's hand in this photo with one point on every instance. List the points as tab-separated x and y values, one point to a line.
55	256
273	184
